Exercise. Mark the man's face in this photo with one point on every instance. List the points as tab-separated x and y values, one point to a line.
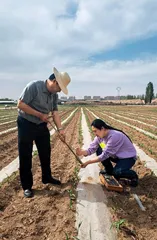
54	86
58	89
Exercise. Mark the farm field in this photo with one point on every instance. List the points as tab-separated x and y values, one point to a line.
137	224
26	218
146	142
51	213
8	139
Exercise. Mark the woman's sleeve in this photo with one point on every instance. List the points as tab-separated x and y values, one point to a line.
113	145
93	146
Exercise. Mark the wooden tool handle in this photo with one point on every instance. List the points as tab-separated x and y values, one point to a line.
77	158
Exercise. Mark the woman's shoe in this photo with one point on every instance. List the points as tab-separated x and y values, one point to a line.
134	182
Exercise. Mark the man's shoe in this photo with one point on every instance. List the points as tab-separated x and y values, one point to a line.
51	180
28	193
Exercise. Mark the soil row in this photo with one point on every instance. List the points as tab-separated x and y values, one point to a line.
50	214
129	220
146	143
151	129
146	111
8	144
146	118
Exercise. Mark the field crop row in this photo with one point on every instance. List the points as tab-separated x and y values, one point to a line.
127	218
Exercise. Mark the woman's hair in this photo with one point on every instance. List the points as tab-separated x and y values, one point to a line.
98	123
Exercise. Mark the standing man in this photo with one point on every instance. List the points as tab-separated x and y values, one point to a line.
37	100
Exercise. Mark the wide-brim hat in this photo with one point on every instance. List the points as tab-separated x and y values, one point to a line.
63	80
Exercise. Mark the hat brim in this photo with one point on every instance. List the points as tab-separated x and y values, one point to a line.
59	80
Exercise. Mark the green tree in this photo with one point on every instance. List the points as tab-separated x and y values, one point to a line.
149	93
142	97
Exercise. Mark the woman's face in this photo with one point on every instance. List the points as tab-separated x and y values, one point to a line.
99	133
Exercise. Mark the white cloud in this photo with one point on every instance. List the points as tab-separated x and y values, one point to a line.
100	79
131	76
36	35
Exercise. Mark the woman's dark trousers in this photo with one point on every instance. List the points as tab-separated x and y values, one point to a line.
122	168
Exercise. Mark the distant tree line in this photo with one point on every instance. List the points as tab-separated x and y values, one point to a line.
6	99
147	97
132	97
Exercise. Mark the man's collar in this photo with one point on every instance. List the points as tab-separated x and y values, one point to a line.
45	90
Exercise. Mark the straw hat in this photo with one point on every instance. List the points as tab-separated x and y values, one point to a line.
63	80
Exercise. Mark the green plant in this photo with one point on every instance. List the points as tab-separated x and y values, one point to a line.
67	236
74	237
10	178
150	150
80	140
75	178
88	123
76	171
71	196
35	153
117	224
141	144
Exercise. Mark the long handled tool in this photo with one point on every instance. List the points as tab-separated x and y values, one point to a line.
77	158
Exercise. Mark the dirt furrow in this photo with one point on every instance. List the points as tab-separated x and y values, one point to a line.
135	111
8	144
135	224
48	215
7	126
151	129
146	143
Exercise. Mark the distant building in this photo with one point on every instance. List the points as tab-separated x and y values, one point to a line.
8	102
109	98
87	97
71	98
63	98
96	97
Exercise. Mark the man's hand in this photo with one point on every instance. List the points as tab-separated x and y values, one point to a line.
62	135
44	117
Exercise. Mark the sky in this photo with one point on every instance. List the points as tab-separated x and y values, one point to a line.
103	45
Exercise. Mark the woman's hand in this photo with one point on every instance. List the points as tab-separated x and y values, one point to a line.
79	151
84	164
90	162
